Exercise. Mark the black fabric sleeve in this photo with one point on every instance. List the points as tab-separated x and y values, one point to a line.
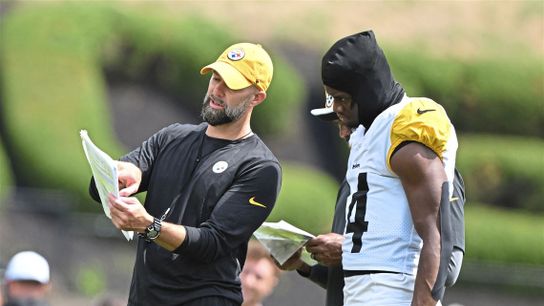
318	274
238	213
446	243
144	156
93	191
458	211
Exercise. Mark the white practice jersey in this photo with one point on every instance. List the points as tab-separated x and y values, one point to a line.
379	231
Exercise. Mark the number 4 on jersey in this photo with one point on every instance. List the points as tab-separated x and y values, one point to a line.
359	226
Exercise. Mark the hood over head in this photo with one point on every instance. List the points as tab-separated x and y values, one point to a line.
357	65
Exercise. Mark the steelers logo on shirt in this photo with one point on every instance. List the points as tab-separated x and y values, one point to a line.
220	166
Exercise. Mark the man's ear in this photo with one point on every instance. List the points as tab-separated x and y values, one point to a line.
258	98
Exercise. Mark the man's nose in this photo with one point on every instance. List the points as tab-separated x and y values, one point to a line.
337	107
219	89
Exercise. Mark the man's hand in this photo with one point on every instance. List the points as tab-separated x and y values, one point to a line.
130	178
294	262
326	249
128	214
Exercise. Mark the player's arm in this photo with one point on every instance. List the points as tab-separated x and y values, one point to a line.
237	214
318	274
423	178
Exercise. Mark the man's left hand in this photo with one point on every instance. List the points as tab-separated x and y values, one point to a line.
129	214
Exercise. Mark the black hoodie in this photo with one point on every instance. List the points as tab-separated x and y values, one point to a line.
357	65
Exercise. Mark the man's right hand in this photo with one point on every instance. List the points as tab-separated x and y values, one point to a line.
130	178
326	249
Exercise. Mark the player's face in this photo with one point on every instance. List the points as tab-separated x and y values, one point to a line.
258	280
223	105
344	107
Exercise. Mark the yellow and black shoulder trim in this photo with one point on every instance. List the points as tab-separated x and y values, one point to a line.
424	121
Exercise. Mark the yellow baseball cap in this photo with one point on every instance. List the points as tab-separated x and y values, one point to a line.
242	65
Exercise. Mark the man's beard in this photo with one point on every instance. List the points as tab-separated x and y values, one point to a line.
222	116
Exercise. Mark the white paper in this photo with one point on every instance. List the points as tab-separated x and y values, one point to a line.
105	174
283	240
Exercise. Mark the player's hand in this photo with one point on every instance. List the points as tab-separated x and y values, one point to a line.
326	249
294	262
130	178
128	214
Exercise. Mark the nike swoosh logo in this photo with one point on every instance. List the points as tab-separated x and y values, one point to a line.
423	111
454	199
253	202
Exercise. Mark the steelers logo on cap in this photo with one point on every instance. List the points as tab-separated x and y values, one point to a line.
236	54
328	100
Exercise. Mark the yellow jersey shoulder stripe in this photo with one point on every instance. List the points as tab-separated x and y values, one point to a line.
421	120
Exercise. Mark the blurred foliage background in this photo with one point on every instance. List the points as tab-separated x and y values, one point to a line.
59	61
